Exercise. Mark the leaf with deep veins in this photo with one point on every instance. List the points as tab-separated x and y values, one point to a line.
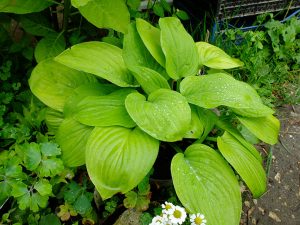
205	183
179	49
99	58
119	158
214	57
265	128
244	162
213	90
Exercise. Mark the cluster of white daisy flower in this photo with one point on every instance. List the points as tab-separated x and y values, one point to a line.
174	215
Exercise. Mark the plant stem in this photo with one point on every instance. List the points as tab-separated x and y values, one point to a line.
178	85
67	7
214	139
175	147
269	160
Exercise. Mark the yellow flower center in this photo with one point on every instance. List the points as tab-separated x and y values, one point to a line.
168	206
177	214
198	220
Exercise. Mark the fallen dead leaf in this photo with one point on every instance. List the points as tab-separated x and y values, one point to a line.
278	177
274	216
247	204
261	210
251	211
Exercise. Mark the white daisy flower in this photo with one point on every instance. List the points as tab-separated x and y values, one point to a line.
157	220
167	220
168	208
197	219
178	216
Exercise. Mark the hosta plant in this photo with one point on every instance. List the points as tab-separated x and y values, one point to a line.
112	108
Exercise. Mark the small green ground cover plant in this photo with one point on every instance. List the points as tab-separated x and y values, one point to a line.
112	108
271	55
36	186
31	169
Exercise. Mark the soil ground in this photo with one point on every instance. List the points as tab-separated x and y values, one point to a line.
281	203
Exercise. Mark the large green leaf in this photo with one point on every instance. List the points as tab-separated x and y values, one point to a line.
53	82
151	38
237	135
265	128
108	110
213	90
136	54
53	119
36	24
214	57
179	49
208	119
78	3
149	79
205	183
49	47
196	126
72	138
90	89
23	6
166	115
249	137
119	158
242	160
99	58
105	13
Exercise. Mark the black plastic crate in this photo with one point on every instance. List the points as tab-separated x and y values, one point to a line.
242	8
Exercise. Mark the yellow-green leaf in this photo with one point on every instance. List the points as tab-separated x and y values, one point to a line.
53	83
53	119
244	162
49	47
105	13
151	38
99	58
196	126
90	89
213	90
136	54
214	57
237	135
165	115
72	137
23	6
149	79
119	158
78	3
265	128
179	49
107	110
205	183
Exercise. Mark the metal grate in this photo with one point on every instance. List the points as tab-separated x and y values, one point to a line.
240	8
